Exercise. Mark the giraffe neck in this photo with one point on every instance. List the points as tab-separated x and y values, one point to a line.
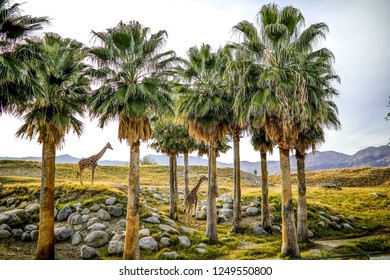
196	188
100	154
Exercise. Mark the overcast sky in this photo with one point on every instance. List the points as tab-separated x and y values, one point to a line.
359	38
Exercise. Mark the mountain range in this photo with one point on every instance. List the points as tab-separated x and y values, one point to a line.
371	156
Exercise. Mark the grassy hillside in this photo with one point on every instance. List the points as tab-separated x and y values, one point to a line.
365	195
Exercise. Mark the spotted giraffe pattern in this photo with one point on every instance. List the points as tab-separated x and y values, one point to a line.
191	200
91	163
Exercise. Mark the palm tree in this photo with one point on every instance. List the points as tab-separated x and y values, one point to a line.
203	106
51	114
260	143
280	47
15	81
131	69
166	139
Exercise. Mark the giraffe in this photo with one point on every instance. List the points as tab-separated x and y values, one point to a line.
191	200
91	163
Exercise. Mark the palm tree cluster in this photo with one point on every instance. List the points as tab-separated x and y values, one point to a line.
273	84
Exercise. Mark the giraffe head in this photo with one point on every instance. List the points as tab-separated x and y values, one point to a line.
203	178
108	146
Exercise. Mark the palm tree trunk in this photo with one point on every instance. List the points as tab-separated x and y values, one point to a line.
186	178
173	210
131	249
289	237
45	246
212	218
237	219
302	229
265	215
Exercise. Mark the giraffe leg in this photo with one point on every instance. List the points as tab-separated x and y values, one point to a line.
93	175
195	206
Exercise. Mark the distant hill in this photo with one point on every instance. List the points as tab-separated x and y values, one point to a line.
372	156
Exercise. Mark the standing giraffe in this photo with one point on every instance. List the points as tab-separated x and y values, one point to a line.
91	162
192	200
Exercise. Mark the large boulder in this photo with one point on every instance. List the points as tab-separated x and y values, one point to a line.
225	198
252	211
184	241
228	213
4	234
63	233
148	243
97	238
103	215
75	219
168	229
115	210
87	252
111	201
32	208
77	239
14	217
64	213
116	247
97	226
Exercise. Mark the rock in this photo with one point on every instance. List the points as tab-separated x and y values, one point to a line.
75	219
314	253
252	211
85	218
334	219
85	211
97	226
14	217
201	250
116	247
17	233
201	215
103	215
170	221
276	228
78	206
157	196
95	208
120	236
111	201
97	238
144	232
171	255
187	230
310	233
2	209
258	230
272	218
325	219
228	213
122	223
352	218
202	245
63	233
221	219
148	243
93	221
168	229
5	227
77	238
184	241
32	208
115	210
181	196
272	209
165	242
322	224
87	252
322	213
347	226
64	213
25	236
255	203
225	198
34	235
152	220
151	208
227	206
55	213
30	227
4	234
10	201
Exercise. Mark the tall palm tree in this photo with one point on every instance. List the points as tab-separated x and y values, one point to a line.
166	139
203	106
279	46
131	68
51	114
15	79
260	143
